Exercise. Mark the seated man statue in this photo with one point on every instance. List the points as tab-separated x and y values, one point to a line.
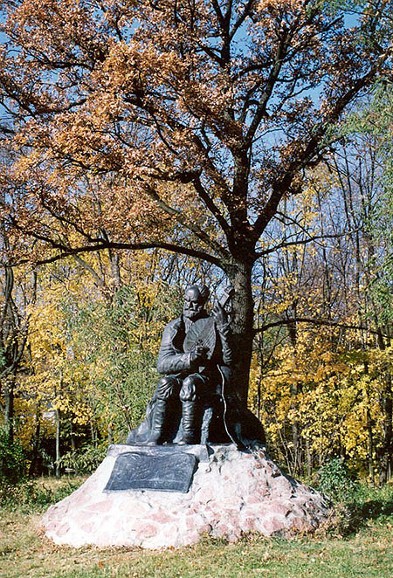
195	362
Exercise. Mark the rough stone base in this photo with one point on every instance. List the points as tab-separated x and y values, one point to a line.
232	493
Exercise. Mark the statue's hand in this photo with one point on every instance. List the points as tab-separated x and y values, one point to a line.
221	317
198	354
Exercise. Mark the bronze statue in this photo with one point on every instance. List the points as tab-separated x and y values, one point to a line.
190	405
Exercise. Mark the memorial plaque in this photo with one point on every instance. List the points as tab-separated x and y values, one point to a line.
172	472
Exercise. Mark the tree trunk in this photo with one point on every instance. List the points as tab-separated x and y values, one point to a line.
239	275
385	453
370	444
297	462
58	454
9	408
35	465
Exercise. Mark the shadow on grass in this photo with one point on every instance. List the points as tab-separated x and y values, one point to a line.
359	513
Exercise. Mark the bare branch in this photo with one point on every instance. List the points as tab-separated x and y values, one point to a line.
325	322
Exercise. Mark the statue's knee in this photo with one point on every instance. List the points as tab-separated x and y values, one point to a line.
188	390
167	387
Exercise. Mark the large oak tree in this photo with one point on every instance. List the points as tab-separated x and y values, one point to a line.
178	124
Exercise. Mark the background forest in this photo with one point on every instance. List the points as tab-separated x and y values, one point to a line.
82	312
80	337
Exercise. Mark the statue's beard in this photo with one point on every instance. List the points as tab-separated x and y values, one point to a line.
192	314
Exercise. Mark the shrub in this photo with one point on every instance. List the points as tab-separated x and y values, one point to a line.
36	495
85	460
335	481
12	459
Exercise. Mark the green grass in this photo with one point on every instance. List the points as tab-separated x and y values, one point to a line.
361	546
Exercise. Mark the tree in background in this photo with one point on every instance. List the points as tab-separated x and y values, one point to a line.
324	351
17	292
89	365
180	125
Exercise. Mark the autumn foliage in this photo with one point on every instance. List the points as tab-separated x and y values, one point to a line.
194	128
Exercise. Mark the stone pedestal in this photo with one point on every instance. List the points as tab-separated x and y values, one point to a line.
231	493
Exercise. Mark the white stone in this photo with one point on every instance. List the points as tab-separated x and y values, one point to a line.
232	494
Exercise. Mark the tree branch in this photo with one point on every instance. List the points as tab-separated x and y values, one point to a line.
312	321
180	218
65	251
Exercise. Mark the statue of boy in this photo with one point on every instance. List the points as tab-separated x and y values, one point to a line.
195	360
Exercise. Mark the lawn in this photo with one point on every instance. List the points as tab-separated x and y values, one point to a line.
360	546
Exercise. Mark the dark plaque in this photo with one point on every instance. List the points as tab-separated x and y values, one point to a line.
144	471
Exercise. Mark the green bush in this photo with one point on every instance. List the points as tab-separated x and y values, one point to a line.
85	460
335	481
12	459
35	495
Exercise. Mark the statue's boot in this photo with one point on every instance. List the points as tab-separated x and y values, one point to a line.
158	422
191	426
